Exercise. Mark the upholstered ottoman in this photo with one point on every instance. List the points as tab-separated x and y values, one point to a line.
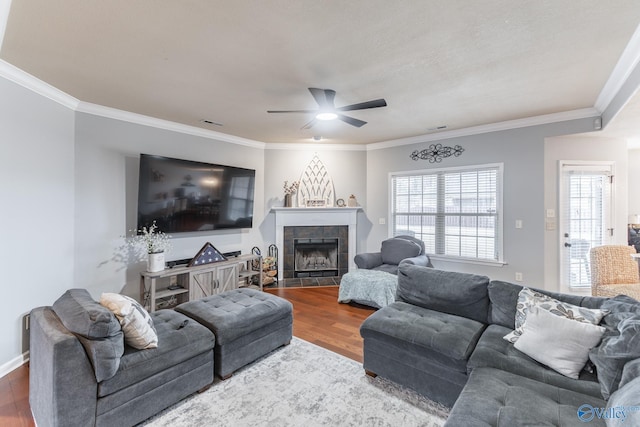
247	324
369	287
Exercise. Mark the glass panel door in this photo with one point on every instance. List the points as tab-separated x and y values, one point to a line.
585	209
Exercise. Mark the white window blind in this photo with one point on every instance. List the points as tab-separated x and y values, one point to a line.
455	212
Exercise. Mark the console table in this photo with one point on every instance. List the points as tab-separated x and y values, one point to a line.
173	286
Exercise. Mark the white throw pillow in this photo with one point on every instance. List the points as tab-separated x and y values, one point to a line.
136	323
558	342
528	298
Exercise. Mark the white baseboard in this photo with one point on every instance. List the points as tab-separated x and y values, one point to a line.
13	364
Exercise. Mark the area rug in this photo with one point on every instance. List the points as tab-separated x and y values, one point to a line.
303	385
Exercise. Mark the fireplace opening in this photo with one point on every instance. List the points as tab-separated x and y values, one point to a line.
315	257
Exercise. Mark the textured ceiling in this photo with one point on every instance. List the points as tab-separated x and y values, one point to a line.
453	63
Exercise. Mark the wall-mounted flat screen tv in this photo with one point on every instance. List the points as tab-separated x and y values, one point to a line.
186	196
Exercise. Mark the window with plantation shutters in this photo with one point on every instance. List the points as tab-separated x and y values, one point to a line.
456	212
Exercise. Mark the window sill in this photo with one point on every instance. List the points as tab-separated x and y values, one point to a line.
467	260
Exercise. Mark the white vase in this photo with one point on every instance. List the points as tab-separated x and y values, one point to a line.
155	262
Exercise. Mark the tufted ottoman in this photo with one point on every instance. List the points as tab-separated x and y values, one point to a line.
247	324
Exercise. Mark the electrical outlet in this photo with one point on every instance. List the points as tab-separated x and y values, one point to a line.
518	223
519	277
382	221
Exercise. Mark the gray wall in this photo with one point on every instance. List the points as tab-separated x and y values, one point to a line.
522	153
37	214
106	162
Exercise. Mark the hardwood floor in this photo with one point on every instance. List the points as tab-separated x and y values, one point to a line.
14	399
317	318
320	319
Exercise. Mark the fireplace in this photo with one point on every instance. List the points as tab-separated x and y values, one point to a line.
315	251
315	257
315	223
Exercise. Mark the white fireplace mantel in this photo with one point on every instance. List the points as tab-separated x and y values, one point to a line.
300	217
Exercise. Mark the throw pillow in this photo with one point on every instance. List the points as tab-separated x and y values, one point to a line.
136	323
618	347
528	298
558	342
96	328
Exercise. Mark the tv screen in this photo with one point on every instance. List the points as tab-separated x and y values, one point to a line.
183	195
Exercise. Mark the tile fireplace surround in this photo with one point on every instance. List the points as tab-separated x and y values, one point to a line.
300	217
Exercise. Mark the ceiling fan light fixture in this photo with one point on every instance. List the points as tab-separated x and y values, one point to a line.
326	116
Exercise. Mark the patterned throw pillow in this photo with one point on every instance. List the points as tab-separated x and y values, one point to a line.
528	298
136	323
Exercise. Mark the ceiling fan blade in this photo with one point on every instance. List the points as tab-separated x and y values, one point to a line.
376	103
352	121
292	111
319	96
309	124
330	95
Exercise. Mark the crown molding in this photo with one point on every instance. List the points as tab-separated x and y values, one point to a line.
34	84
626	64
127	116
492	127
315	147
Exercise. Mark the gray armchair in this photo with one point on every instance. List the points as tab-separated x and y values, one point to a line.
393	251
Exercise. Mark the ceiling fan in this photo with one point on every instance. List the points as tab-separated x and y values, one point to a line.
328	111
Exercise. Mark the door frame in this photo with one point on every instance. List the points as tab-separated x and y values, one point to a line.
608	164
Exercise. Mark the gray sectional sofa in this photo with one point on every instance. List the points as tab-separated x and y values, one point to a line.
444	337
83	372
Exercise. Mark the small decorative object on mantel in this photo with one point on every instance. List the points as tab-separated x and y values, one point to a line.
207	255
289	191
340	203
151	244
436	152
352	202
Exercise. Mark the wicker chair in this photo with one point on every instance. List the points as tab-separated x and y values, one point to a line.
614	271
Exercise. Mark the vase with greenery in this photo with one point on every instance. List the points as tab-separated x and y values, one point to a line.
151	244
289	191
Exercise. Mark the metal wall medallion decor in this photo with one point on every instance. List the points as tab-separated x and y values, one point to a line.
436	152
